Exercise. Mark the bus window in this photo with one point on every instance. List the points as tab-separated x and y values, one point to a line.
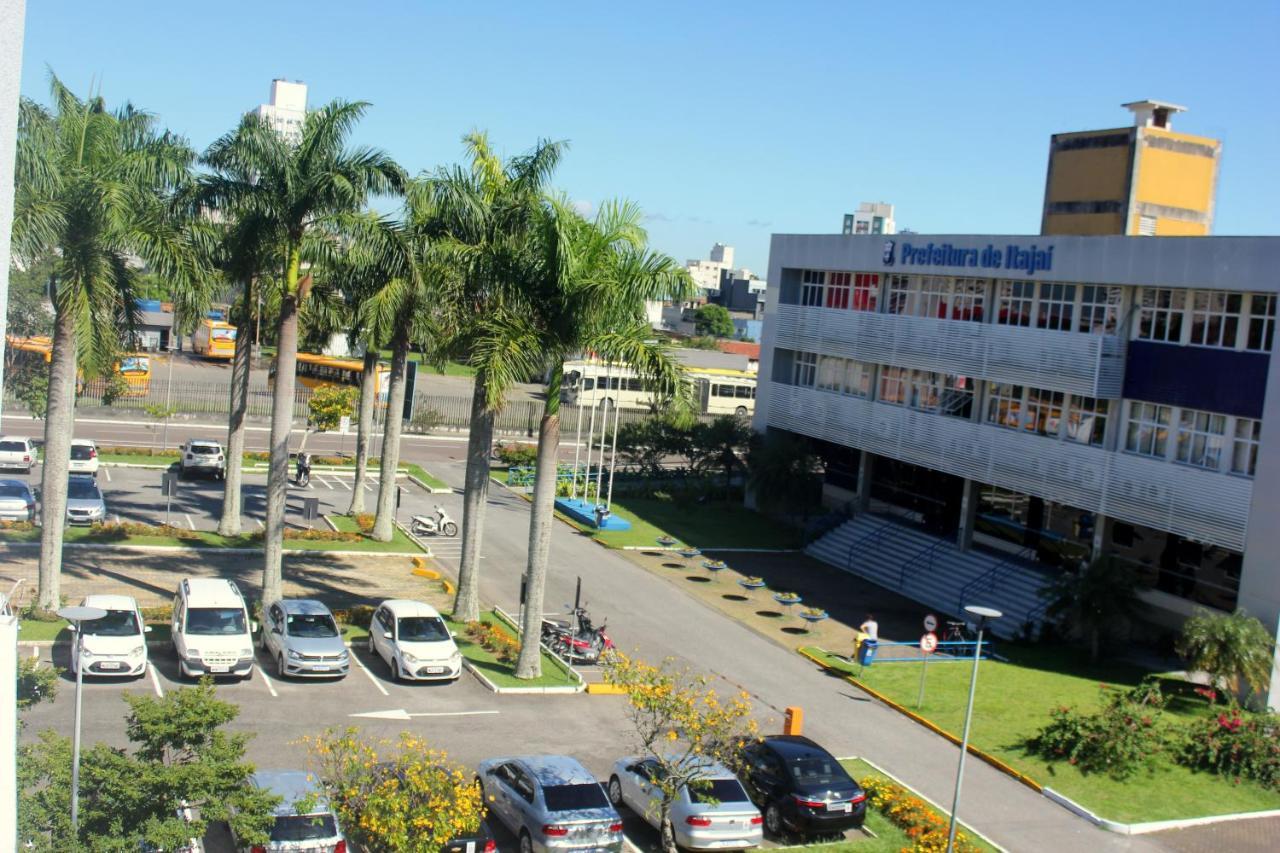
588	384
743	392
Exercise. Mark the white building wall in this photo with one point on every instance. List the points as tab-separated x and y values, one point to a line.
287	109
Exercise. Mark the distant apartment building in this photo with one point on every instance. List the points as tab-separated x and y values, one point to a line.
287	109
1144	180
871	217
706	272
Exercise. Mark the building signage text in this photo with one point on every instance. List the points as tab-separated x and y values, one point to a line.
1028	259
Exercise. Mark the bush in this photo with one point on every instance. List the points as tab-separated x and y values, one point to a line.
364	520
160	614
926	827
329	403
125	529
361	615
1234	744
425	420
493	639
17	525
138	451
317	534
35	682
1117	740
517	455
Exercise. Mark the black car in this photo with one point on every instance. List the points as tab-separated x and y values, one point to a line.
800	787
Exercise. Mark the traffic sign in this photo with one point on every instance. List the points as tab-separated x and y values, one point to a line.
930	622
929	643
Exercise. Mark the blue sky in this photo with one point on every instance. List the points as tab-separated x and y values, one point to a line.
725	121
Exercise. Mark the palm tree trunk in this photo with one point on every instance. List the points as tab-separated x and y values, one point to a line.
281	425
363	429
542	515
59	424
384	525
229	524
466	605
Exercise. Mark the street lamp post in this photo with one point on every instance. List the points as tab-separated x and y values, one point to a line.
77	616
984	615
168	398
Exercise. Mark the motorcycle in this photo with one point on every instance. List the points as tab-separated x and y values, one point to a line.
303	475
578	640
439	525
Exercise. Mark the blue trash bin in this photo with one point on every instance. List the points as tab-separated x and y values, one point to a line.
867	653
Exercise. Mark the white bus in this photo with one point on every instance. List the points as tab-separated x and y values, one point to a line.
717	391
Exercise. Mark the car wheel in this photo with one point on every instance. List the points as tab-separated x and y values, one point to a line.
373	650
773	821
280	670
615	791
526	843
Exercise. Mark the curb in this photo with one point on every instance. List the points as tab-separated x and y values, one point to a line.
599	688
943	811
973	750
1151	826
432	489
466	664
179	549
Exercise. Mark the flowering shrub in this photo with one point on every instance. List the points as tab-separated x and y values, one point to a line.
493	639
1235	744
925	827
361	615
316	534
1116	740
516	455
123	529
364	520
17	525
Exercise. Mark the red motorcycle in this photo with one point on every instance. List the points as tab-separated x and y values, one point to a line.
577	640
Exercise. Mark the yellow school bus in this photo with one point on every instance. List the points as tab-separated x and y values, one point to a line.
214	339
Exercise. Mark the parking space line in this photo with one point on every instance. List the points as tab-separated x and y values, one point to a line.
367	484
322	481
342	483
155	680
107	471
190	523
372	677
266	679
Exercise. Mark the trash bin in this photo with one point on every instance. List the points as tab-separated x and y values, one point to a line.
867	652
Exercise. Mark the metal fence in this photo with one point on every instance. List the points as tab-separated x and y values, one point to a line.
188	397
522	417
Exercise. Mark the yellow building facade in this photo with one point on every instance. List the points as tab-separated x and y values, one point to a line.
1139	180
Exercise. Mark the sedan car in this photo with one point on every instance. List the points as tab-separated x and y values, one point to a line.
715	813
115	644
84	457
301	636
17	452
800	787
312	828
551	803
17	503
199	456
414	641
85	503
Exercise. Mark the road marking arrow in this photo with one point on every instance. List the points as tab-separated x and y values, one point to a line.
402	714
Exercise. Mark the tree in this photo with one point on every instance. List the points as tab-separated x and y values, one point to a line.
329	404
416	802
720	444
161	414
781	472
95	188
594	279
713	320
130	799
1234	648
681	723
296	196
30	386
485	215
29	313
1095	599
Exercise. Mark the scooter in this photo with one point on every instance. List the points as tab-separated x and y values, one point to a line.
577	641
302	477
440	525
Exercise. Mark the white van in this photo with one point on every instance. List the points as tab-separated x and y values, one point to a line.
212	633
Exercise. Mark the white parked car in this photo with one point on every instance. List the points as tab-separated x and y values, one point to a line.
17	452
716	814
211	630
414	641
84	457
116	644
200	456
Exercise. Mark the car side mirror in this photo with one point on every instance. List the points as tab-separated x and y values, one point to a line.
146	629
386	635
72	627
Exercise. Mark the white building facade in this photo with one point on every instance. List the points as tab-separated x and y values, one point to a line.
870	218
706	272
287	109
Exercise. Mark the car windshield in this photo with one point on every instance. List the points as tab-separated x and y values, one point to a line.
816	770
117	623
13	490
717	791
12	446
216	621
82	489
298	827
568	798
80	451
422	629
205	449
316	626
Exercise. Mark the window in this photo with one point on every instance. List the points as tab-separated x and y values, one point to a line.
1017	301
1057	304
804	369
1004	404
1099	309
866	291
1201	438
838	289
811	287
1161	316
1244	450
967	303
1215	318
894	382
933	297
1043	412
857	379
1147	432
1146	226
830	373
1262	322
899	294
1086	420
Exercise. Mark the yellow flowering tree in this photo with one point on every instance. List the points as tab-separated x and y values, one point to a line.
396	796
682	724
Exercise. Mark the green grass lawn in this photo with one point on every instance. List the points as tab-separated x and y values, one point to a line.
707	526
400	543
501	674
451	368
37	630
1013	703
423	475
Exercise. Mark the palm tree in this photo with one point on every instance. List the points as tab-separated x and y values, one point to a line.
93	188
719	444
1099	596
596	278
485	215
781	468
294	193
1234	648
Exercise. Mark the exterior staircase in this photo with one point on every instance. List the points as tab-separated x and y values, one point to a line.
935	572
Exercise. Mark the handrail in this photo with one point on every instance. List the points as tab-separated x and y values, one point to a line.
929	550
873	534
989	576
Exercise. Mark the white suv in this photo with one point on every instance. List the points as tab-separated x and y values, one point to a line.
17	452
211	630
84	457
205	457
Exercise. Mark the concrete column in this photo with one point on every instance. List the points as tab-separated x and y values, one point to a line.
1101	536
863	502
968	514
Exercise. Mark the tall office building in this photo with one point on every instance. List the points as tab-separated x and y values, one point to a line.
706	272
1142	180
871	217
287	109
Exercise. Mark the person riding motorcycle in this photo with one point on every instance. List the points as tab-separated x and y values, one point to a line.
304	469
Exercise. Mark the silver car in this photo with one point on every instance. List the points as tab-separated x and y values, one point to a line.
551	803
17	503
303	639
716	814
85	503
313	829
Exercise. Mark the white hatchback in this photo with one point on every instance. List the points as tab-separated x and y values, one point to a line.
84	457
414	641
18	452
116	644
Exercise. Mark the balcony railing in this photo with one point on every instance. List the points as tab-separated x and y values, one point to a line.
1076	362
1207	506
